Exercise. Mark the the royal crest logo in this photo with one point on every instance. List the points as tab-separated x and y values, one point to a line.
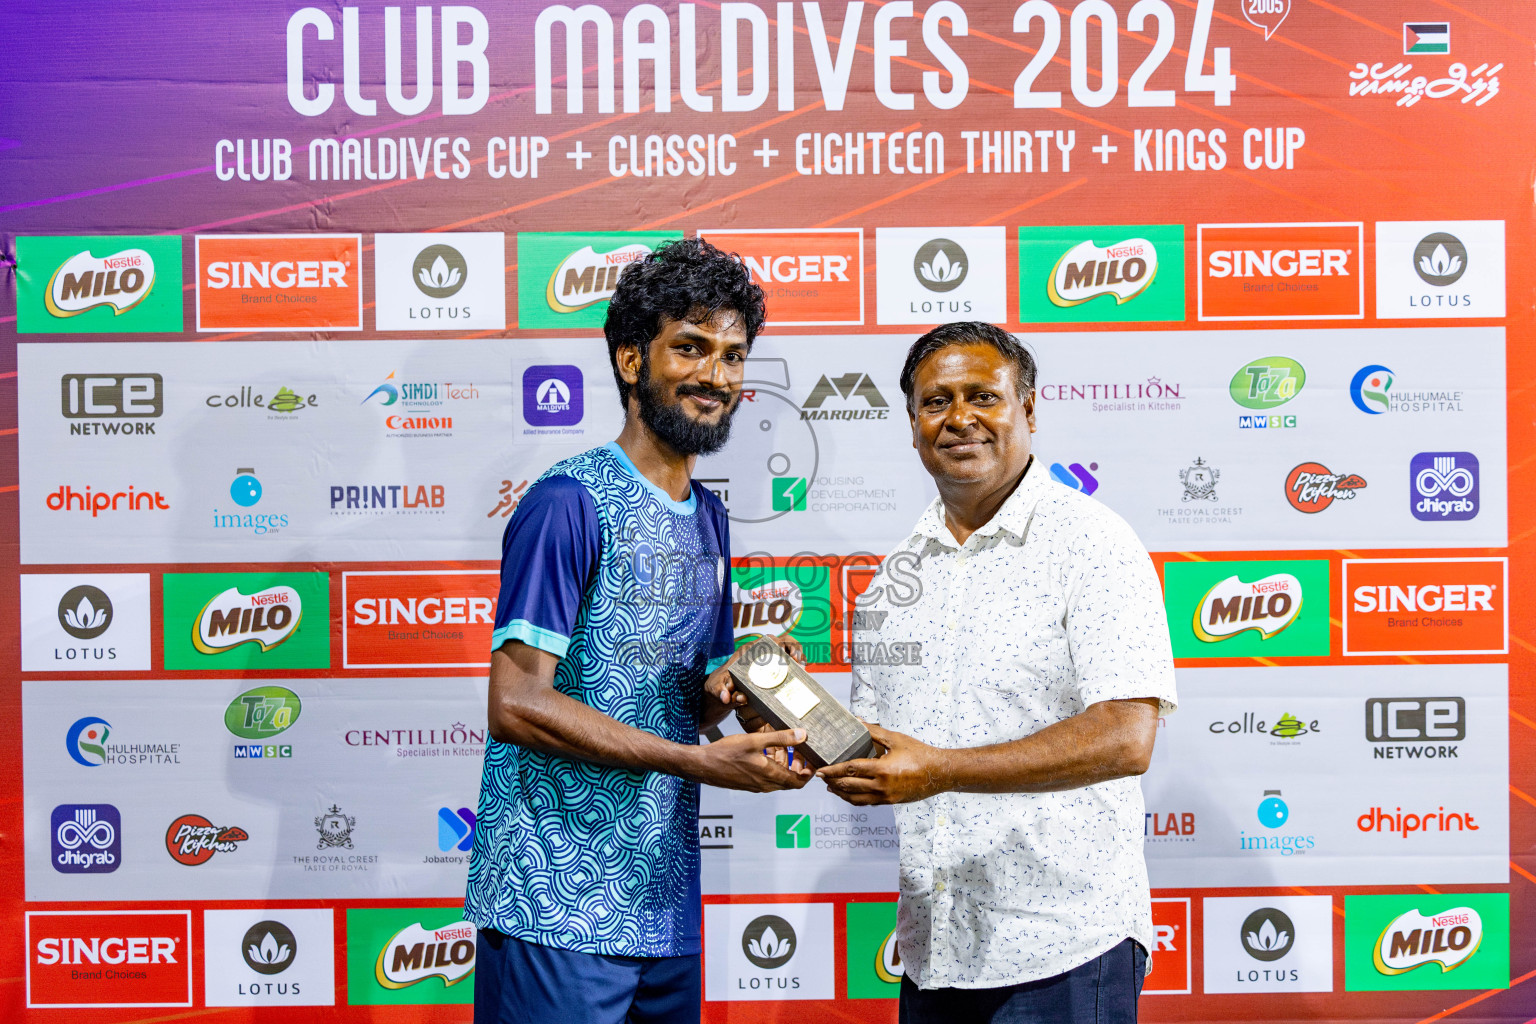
415	954
1086	271
1199	481
587	277
1413	940
121	280
335	829
1232	606
266	618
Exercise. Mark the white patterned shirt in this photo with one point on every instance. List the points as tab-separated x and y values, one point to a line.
1050	607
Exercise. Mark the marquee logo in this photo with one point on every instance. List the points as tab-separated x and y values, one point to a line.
1303	271
279	282
809	278
109	958
1232	606
565	279
192	839
267	618
1410	606
98	283
1312	487
414	954
87	838
846	387
431	619
1414	940
1122	270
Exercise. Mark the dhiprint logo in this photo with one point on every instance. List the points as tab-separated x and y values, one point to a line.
455	829
269	947
439	271
1369	389
1414	940
1440	259
87	839
553	396
192	839
1266	606
85	612
1267	934
86	741
439	281
1312	487
768	942
1076	476
414	954
67	499
1440	269
1443	486
940	265
64	287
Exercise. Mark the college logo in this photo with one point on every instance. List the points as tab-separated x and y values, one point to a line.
1309	271
1136	272
1426	37
245	620
566	279
846	387
418	619
111	403
1312	487
1406	942
553	397
109	958
809	278
87	838
874	962
279	282
930	275
419	955
455	829
192	839
1443	486
1172	968
1440	269
64	286
282	404
1260	609
439	281
1285	728
1407	606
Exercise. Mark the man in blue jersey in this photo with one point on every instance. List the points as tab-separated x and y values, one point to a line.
612	627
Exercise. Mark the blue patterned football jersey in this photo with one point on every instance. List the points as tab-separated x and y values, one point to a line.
629	588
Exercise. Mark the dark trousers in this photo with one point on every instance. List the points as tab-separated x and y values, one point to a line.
1102	991
519	982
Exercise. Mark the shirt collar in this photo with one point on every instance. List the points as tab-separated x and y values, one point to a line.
1013	517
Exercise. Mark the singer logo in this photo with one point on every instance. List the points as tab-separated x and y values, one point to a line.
1232	606
109	958
279	282
809	278
1281	271
437	619
1412	940
1172	951
1426	606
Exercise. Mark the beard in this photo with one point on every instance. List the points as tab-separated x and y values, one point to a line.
669	422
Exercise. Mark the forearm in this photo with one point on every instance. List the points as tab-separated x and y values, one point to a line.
1108	740
548	721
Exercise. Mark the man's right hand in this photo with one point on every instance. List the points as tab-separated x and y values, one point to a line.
738	762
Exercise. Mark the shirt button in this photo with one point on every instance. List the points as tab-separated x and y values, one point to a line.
944	686
951	623
938	886
941	821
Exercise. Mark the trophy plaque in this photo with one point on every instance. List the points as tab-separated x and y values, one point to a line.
786	696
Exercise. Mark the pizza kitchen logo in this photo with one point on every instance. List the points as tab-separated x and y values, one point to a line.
1232	606
1312	487
193	840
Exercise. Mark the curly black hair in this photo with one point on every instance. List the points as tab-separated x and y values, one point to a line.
970	332
686	280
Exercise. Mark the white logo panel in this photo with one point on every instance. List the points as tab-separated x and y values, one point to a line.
440	282
273	956
1439	269
85	622
1265	944
763	951
935	275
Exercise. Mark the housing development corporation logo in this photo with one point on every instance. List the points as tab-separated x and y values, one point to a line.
87	839
1100	274
439	282
810	278
1443	486
1440	269
279	282
565	279
1303	271
1248	609
1450	941
98	284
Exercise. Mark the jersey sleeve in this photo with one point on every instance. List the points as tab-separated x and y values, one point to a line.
724	643
548	552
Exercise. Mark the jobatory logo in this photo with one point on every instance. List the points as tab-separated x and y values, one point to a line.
554	399
1416	942
216	621
279	282
1311	487
439	281
1101	274
86	284
109	958
1264	385
1411	606
1076	476
1264	609
809	278
418	619
1303	271
87	839
565	279
455	829
852	396
931	275
1443	486
1440	269
1426	37
112	404
193	840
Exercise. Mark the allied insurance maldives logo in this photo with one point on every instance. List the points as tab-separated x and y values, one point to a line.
1101	274
1248	609
1308	271
246	620
279	282
86	284
565	279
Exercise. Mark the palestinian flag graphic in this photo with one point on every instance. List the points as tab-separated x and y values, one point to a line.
1427	37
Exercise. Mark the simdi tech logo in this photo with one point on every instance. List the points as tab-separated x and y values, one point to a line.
1303	271
440	282
810	278
409	955
239	621
98	284
1415	942
279	282
109	958
1267	609
1101	274
565	279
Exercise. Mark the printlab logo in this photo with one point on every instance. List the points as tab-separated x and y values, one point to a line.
335	829
85	612
1443	486
1199	481
1076	476
792	831
940	265
193	840
87	839
553	396
111	403
846	387
269	947
1267	934
455	829
1312	487
768	942
63	286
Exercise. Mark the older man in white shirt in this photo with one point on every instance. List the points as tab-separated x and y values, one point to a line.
1012	748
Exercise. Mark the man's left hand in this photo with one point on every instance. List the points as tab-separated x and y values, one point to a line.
908	770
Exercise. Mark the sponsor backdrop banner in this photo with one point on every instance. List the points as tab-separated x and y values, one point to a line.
297	301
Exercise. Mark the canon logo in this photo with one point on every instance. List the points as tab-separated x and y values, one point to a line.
282	274
139	949
1279	263
429	611
1431	597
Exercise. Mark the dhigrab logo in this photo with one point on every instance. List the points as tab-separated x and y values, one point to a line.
1443	486
87	839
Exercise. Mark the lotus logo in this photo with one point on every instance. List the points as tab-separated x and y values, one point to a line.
439	271
267	617
1412	940
1440	259
85	612
1124	270
587	277
941	265
1267	934
769	941
269	947
1266	606
83	282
